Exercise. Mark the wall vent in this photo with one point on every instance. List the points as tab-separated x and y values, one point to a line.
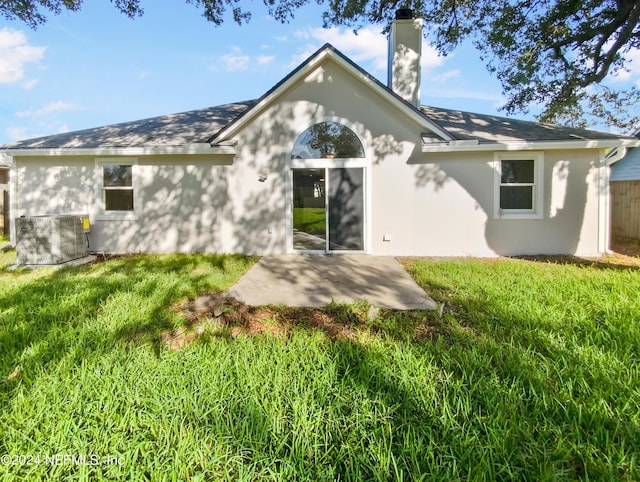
50	239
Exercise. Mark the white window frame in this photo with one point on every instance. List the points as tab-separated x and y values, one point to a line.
538	185
102	213
364	162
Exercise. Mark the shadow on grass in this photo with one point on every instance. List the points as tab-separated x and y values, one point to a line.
552	351
75	312
489	392
501	399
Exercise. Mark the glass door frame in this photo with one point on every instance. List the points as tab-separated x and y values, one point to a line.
329	164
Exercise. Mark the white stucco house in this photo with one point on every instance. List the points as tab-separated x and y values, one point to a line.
328	160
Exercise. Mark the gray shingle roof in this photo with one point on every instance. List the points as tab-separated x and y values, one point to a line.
489	128
167	131
198	126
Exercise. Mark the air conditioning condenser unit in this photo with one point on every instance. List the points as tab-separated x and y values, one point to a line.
51	239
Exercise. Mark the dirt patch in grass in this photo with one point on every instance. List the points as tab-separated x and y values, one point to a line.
624	255
213	313
614	260
627	248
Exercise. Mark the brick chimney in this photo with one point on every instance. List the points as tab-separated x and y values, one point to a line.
405	50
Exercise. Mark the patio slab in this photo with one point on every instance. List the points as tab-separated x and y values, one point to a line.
316	280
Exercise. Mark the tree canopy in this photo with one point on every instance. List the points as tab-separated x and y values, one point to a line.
555	54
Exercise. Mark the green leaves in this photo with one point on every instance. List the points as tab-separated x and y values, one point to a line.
33	12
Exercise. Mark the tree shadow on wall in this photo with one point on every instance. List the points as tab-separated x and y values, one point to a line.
558	232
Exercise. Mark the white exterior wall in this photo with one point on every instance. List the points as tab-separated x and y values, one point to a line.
428	204
184	203
453	208
417	204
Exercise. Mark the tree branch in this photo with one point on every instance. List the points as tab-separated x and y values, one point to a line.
599	73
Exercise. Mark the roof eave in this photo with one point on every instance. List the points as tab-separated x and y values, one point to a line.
190	149
474	146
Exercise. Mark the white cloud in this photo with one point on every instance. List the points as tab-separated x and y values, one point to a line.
302	55
444	76
466	94
236	60
29	84
52	107
632	70
302	34
430	56
16	133
631	73
265	59
15	52
37	129
233	63
368	46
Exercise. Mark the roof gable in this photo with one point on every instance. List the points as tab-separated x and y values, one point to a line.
325	53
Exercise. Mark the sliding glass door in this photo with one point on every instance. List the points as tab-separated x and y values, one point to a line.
346	209
328	209
309	210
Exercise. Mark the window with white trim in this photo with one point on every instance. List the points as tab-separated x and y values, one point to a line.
518	185
116	186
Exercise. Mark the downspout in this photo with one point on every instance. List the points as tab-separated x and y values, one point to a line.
615	155
604	207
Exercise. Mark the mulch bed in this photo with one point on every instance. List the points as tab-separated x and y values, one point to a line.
627	247
213	312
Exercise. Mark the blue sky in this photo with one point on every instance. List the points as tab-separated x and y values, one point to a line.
97	67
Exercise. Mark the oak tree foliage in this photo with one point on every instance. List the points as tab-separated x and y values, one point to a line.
553	54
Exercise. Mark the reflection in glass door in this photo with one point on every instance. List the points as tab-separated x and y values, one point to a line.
309	210
328	201
346	208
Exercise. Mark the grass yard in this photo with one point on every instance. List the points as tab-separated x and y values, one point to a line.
530	372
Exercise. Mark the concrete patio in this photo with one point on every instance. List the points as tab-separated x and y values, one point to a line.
316	280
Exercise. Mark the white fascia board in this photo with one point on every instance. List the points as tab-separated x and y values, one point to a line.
308	68
456	146
202	149
6	160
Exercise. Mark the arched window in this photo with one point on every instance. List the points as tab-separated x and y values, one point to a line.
327	140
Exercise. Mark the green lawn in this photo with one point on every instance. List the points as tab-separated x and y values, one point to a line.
531	373
310	220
